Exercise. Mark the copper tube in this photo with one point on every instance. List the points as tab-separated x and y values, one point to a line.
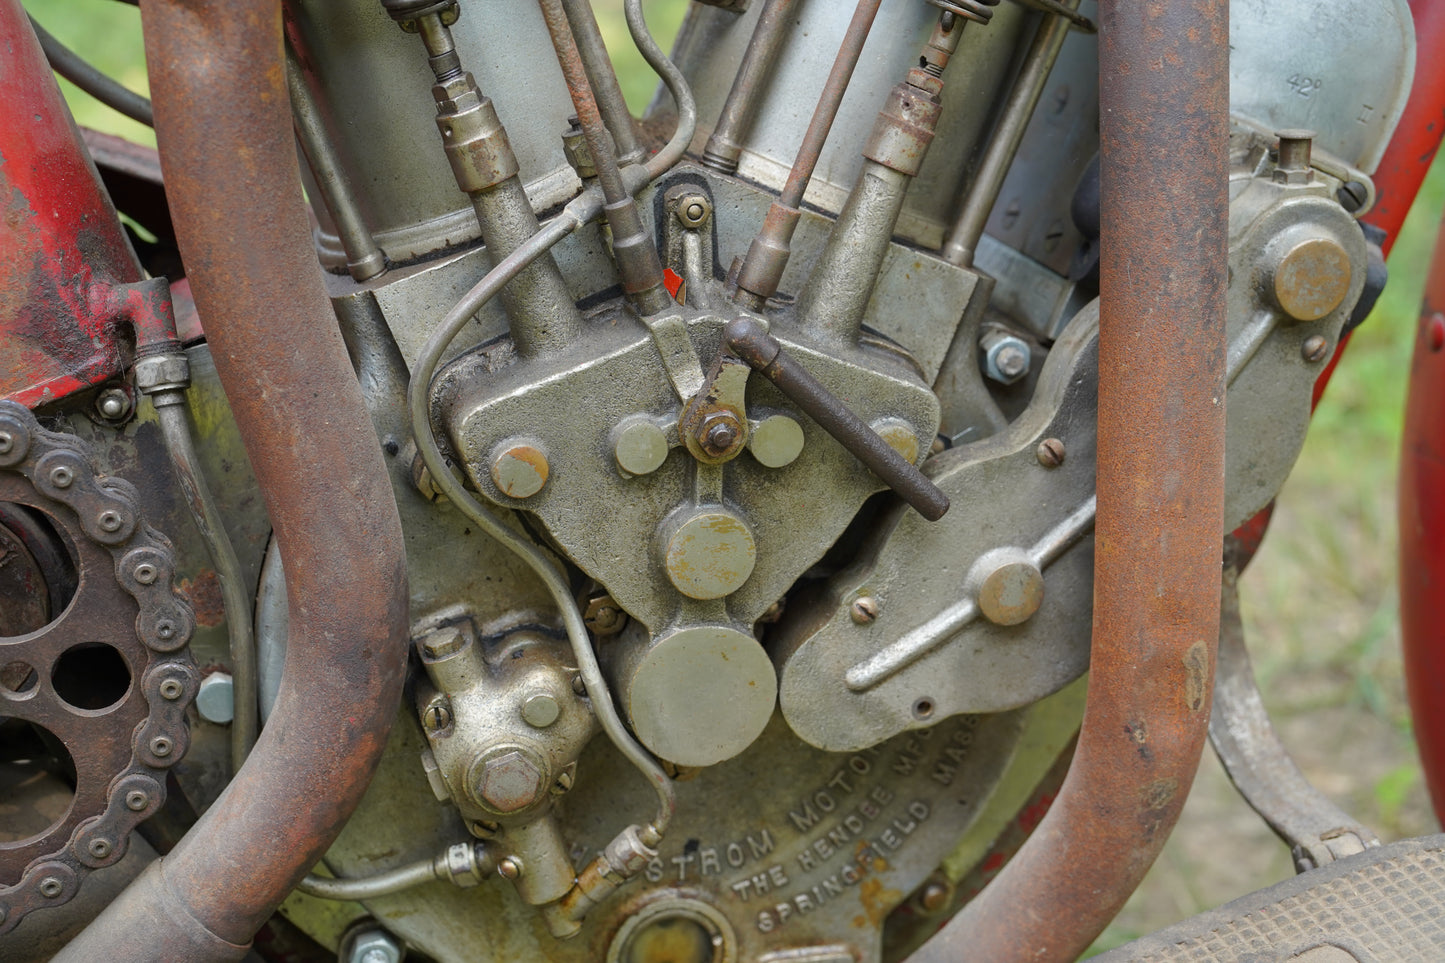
235	195
1164	97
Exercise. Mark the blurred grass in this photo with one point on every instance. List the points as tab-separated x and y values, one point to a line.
1320	599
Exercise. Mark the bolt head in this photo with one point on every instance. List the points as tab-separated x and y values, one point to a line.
510	868
441	643
508	782
693	210
375	946
1006	358
864	610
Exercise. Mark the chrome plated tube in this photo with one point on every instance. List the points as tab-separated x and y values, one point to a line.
1004	144
363	258
724	147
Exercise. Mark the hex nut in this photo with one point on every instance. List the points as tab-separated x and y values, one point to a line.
604	616
519	470
162	372
442	643
113	404
507	781
693	210
719	434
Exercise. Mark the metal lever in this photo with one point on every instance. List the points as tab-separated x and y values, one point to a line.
747	340
1316	830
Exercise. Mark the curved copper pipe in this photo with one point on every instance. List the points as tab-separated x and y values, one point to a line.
223	120
1164	97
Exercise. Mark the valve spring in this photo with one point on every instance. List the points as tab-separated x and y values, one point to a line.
979	11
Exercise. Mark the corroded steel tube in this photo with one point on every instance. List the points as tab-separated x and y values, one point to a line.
1163	72
235	195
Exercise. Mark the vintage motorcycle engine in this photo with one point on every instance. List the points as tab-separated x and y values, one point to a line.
798	444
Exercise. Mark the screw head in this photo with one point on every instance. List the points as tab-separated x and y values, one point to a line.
1316	348
437	717
863	610
934	896
510	868
1051	453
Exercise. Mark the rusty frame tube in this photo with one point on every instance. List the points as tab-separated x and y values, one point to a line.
235	194
1163	70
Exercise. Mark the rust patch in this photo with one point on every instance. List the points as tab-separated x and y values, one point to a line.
1159	794
204	593
877	901
1196	677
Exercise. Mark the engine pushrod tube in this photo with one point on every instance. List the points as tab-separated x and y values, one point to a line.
1164	100
999	155
763	353
244	233
724	146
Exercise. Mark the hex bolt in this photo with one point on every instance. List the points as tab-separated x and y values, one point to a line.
375	946
437	717
1006	357
215	699
540	710
1050	453
441	643
1316	348
863	610
506	781
510	868
1293	166
519	470
113	404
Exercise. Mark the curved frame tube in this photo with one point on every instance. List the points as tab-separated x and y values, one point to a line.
1164	99
235	194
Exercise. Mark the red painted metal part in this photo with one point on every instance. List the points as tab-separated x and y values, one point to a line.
1422	532
70	285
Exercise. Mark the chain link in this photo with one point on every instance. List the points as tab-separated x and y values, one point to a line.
104	512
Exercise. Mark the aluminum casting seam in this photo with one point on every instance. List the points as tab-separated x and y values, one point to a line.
103	88
176	433
536	559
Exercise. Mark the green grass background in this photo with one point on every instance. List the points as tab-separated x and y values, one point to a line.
1320	600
